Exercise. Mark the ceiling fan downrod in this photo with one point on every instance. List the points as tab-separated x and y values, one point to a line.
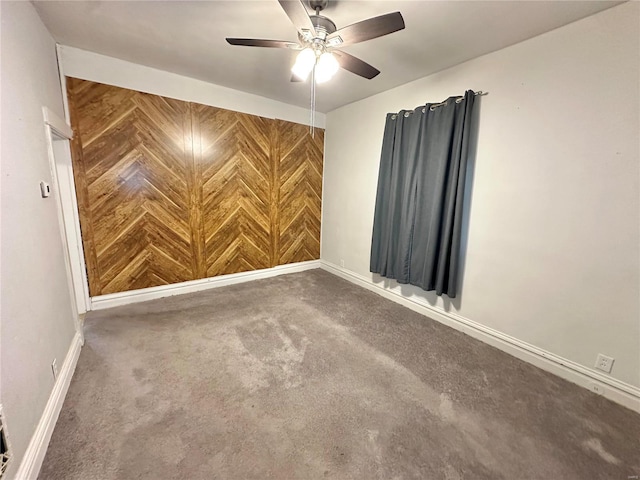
318	5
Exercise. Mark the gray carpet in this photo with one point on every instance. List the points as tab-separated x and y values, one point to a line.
306	376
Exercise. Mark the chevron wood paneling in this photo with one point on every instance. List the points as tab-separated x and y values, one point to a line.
235	154
299	183
132	163
170	191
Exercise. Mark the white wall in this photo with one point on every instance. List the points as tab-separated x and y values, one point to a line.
100	68
553	239
37	323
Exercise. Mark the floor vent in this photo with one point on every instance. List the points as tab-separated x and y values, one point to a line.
5	453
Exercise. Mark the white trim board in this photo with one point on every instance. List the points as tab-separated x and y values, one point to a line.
57	124
60	165
613	389
142	295
32	461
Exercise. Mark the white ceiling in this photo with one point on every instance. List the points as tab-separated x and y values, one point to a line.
188	38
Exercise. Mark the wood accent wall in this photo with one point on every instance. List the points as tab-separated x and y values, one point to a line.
170	191
299	192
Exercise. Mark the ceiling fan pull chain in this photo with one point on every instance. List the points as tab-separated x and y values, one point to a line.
313	102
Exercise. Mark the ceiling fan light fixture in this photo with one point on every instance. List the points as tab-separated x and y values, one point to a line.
326	67
305	62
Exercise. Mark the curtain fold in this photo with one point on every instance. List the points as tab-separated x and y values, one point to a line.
418	215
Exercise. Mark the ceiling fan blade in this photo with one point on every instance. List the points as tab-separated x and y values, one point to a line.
257	42
298	15
367	29
355	65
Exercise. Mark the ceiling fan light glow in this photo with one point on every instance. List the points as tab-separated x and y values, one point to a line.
305	61
326	67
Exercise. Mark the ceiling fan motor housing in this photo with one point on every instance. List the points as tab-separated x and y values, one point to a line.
323	26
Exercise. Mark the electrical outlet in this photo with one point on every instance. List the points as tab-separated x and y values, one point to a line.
604	363
54	369
342	263
596	388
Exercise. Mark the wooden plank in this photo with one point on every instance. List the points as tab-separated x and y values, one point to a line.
134	170
194	147
300	160
82	194
236	179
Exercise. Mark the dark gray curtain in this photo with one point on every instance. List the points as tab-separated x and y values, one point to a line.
418	217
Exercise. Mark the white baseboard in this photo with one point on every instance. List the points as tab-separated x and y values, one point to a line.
144	294
611	388
32	461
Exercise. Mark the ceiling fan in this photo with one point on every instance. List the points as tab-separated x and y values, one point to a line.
319	41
